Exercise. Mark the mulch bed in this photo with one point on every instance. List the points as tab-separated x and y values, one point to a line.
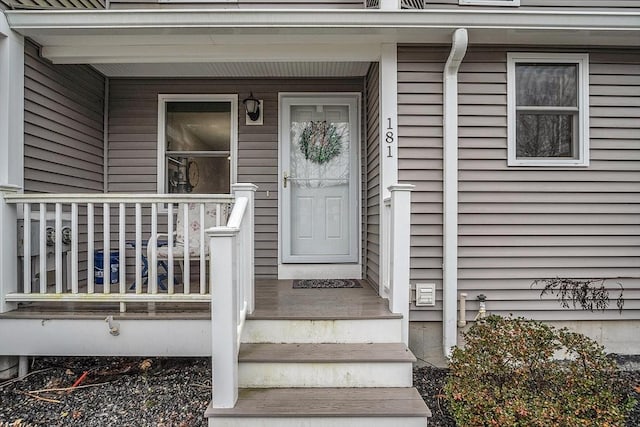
158	392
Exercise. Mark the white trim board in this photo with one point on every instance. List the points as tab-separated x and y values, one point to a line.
319	271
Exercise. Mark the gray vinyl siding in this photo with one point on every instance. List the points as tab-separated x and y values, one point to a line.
372	183
63	141
241	4
517	225
133	113
543	4
420	158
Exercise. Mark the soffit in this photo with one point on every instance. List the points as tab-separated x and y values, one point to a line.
236	69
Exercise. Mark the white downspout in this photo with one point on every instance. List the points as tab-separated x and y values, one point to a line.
450	191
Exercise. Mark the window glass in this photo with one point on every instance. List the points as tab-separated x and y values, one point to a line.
198	126
545	135
546	85
198	147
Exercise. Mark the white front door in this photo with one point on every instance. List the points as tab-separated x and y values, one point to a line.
319	182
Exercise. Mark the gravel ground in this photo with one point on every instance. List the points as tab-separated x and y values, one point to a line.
165	393
116	392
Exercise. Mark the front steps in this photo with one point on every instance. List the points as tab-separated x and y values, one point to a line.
324	365
348	371
324	407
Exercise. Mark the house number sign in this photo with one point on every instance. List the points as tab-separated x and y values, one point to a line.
389	137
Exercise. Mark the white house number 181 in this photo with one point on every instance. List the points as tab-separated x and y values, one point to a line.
389	137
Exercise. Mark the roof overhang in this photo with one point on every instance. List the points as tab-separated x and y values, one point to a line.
180	36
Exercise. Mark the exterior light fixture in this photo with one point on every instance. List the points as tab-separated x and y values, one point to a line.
252	106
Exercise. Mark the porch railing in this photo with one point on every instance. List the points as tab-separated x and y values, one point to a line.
141	240
396	253
232	284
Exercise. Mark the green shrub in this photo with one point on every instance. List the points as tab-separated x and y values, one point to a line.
518	372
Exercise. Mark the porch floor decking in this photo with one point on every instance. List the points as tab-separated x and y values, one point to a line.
275	300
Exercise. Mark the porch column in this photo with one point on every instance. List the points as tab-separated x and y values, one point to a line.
388	131
11	153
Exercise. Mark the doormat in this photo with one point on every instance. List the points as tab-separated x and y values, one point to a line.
325	283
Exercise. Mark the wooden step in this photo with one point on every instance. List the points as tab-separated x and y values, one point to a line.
325	365
325	353
331	407
316	330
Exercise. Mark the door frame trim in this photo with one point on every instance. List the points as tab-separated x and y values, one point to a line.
301	267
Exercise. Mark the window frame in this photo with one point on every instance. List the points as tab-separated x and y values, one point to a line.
511	3
581	158
163	99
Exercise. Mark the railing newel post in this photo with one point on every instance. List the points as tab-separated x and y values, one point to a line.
400	238
224	316
8	248
248	191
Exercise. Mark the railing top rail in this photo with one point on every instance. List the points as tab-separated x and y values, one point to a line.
117	198
237	214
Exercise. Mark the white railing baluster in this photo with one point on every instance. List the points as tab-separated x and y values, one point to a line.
203	260
91	249
74	248
58	247
153	262
186	268
43	248
139	248
170	274
122	247
106	248
40	208
26	248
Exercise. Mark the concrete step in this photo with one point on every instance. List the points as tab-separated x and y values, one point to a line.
325	365
323	407
316	330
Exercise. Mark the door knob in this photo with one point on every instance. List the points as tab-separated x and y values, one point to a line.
285	177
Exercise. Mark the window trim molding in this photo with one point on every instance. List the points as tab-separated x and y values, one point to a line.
512	3
582	154
162	138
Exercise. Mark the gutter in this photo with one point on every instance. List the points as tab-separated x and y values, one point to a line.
450	189
296	18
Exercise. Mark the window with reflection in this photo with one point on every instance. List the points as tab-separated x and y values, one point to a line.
547	109
198	146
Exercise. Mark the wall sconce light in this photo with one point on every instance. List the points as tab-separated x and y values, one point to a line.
252	107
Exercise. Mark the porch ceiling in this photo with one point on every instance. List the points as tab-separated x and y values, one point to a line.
237	69
179	36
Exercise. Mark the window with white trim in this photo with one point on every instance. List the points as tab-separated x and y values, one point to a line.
197	140
490	2
548	109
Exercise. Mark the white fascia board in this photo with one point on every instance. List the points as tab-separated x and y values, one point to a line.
316	52
189	21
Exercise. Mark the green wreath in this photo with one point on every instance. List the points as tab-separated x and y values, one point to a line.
320	142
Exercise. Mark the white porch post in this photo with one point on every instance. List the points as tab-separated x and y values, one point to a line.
400	235
248	191
11	153
224	316
388	77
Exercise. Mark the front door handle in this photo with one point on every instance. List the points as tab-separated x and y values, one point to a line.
285	177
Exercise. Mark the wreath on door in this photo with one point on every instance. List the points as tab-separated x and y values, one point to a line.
320	142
